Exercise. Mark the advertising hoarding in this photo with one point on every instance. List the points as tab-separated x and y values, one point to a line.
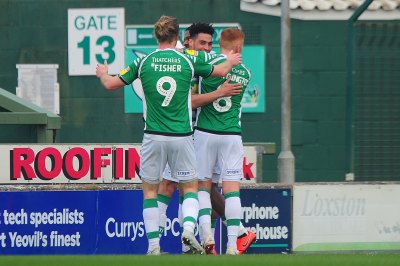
111	222
346	217
84	163
266	212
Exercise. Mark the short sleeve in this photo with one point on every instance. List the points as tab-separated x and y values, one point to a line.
201	68
130	73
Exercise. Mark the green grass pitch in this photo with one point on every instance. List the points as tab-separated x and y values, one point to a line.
243	260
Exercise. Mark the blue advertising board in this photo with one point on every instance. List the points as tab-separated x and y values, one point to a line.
79	222
47	223
267	212
111	222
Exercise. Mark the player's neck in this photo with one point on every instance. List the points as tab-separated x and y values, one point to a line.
225	51
166	45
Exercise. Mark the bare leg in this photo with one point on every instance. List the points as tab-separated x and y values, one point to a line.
167	187
217	201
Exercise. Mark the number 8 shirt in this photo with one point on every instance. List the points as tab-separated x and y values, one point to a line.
223	115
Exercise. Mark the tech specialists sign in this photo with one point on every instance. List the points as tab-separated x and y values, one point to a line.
105	163
79	222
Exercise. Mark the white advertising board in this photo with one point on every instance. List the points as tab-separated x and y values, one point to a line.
95	35
94	163
346	217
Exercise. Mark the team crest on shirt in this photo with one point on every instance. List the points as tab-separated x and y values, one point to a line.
123	72
192	52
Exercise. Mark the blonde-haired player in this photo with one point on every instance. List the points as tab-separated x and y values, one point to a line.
166	75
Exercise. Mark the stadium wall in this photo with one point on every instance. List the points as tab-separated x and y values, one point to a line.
35	32
107	219
110	221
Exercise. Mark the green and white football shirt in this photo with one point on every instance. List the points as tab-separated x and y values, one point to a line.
223	115
166	76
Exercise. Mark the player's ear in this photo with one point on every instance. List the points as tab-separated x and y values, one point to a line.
191	43
237	48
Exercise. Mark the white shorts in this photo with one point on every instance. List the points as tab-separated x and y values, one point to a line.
167	174
159	150
216	174
218	155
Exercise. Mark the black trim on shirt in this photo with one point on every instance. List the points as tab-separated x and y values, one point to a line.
212	70
218	132
169	134
126	83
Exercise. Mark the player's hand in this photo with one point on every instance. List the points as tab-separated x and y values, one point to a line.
234	58
102	69
230	89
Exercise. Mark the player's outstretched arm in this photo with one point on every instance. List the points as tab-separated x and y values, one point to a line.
232	59
225	90
109	82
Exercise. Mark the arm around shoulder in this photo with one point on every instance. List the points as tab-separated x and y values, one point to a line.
225	90
232	59
199	100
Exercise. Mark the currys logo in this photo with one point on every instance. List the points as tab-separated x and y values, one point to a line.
133	230
118	229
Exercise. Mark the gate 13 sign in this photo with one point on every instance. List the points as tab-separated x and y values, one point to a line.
95	35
